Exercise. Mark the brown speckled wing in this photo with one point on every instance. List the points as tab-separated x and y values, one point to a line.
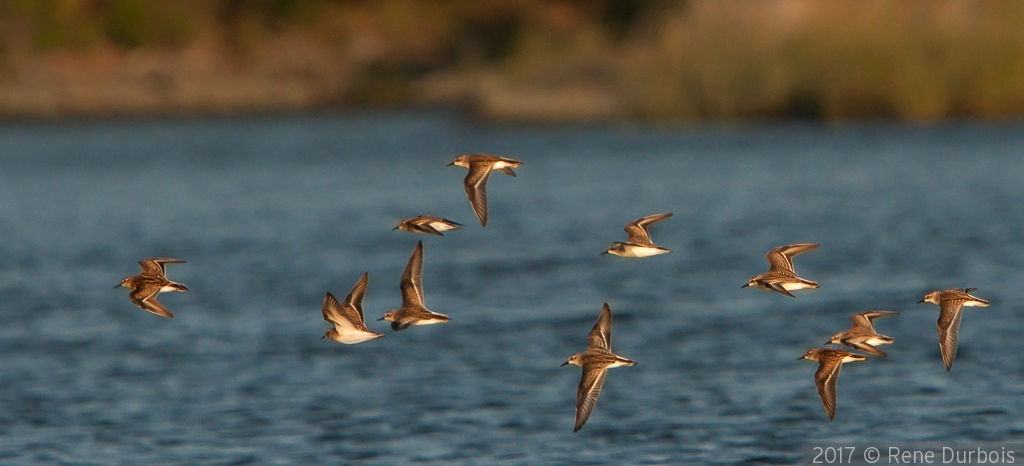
781	258
353	304
331	309
600	338
826	378
780	289
866	319
412	279
349	314
637	229
863	346
145	297
586	394
950	314
476	189
155	266
426	228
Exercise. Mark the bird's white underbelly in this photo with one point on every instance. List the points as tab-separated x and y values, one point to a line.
165	289
441	226
877	341
351	337
793	286
973	303
641	251
428	322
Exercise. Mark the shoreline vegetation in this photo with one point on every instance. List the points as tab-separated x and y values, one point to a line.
516	60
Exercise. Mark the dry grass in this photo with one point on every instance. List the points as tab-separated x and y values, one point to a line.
836	59
520	59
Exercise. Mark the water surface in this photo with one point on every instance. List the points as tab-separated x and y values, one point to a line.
272	213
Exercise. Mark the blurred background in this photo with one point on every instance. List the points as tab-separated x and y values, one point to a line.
517	60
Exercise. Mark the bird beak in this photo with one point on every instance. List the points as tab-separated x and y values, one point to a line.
395	228
378	320
826	343
451	164
603	253
921	301
801	357
325	336
117	286
566	363
744	286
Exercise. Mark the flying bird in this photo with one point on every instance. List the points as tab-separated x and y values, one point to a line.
427	225
149	283
781	277
830	361
638	242
413	311
480	167
951	309
862	335
347	316
595	361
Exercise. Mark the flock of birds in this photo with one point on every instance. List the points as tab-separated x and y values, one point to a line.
349	327
781	278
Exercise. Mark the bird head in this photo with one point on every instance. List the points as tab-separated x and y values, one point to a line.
616	248
460	161
810	354
575	359
932	297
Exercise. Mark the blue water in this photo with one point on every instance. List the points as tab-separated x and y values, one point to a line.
272	213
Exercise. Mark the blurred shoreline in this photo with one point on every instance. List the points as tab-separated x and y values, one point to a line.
516	61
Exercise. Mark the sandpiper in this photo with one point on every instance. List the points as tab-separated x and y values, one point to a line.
951	309
638	242
862	336
347	317
781	277
830	361
480	167
149	283
413	312
427	225
595	361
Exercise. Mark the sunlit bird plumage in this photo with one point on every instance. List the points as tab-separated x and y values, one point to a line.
862	336
413	311
951	304
347	316
595	361
638	241
151	282
781	277
830	362
480	167
427	225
